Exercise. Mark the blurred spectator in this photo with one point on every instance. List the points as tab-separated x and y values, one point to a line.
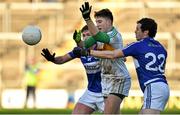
49	0
31	71
71	100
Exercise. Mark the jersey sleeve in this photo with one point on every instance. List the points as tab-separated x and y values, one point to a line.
102	37
72	55
89	42
130	50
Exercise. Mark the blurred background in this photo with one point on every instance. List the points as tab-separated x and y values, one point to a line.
59	86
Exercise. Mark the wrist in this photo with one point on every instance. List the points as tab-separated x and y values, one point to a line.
52	60
90	52
78	41
87	18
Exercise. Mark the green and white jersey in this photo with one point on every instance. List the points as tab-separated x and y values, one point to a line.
114	67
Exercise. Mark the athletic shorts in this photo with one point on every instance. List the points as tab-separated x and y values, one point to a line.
93	100
156	96
118	85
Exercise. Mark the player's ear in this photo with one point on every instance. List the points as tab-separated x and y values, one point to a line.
146	33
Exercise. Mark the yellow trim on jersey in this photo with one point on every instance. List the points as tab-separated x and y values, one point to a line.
107	47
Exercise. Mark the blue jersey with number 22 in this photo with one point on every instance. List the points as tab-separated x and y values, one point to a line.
149	58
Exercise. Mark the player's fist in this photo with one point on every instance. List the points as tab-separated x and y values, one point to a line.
78	52
86	10
77	36
46	54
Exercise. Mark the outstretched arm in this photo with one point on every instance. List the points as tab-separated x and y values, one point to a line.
107	54
62	59
101	54
97	35
83	44
57	60
86	11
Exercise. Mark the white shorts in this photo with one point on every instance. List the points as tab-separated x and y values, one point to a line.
156	96
93	100
119	85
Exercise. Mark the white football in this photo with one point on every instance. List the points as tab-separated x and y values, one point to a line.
31	35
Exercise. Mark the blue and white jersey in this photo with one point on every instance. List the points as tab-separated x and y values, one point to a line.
149	58
93	71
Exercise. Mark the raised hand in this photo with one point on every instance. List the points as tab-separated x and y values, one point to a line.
77	51
77	36
46	54
86	10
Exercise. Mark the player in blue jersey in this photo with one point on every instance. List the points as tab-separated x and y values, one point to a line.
92	99
150	59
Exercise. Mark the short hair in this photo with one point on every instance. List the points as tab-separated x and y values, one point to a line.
106	13
84	28
148	24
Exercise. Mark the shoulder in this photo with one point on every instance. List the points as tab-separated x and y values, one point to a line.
114	32
133	44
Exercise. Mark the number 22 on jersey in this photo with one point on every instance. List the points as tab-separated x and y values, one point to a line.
153	64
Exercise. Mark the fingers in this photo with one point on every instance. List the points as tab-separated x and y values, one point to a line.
86	5
74	35
54	54
45	50
79	32
42	54
90	8
83	7
81	10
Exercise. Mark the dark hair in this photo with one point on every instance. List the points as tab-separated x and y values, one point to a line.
106	13
84	28
150	25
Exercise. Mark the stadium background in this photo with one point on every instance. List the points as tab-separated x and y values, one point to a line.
58	19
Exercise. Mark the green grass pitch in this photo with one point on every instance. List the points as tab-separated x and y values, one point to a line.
68	111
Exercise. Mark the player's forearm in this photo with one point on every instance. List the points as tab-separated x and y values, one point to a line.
97	35
91	27
102	54
62	59
107	54
59	60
